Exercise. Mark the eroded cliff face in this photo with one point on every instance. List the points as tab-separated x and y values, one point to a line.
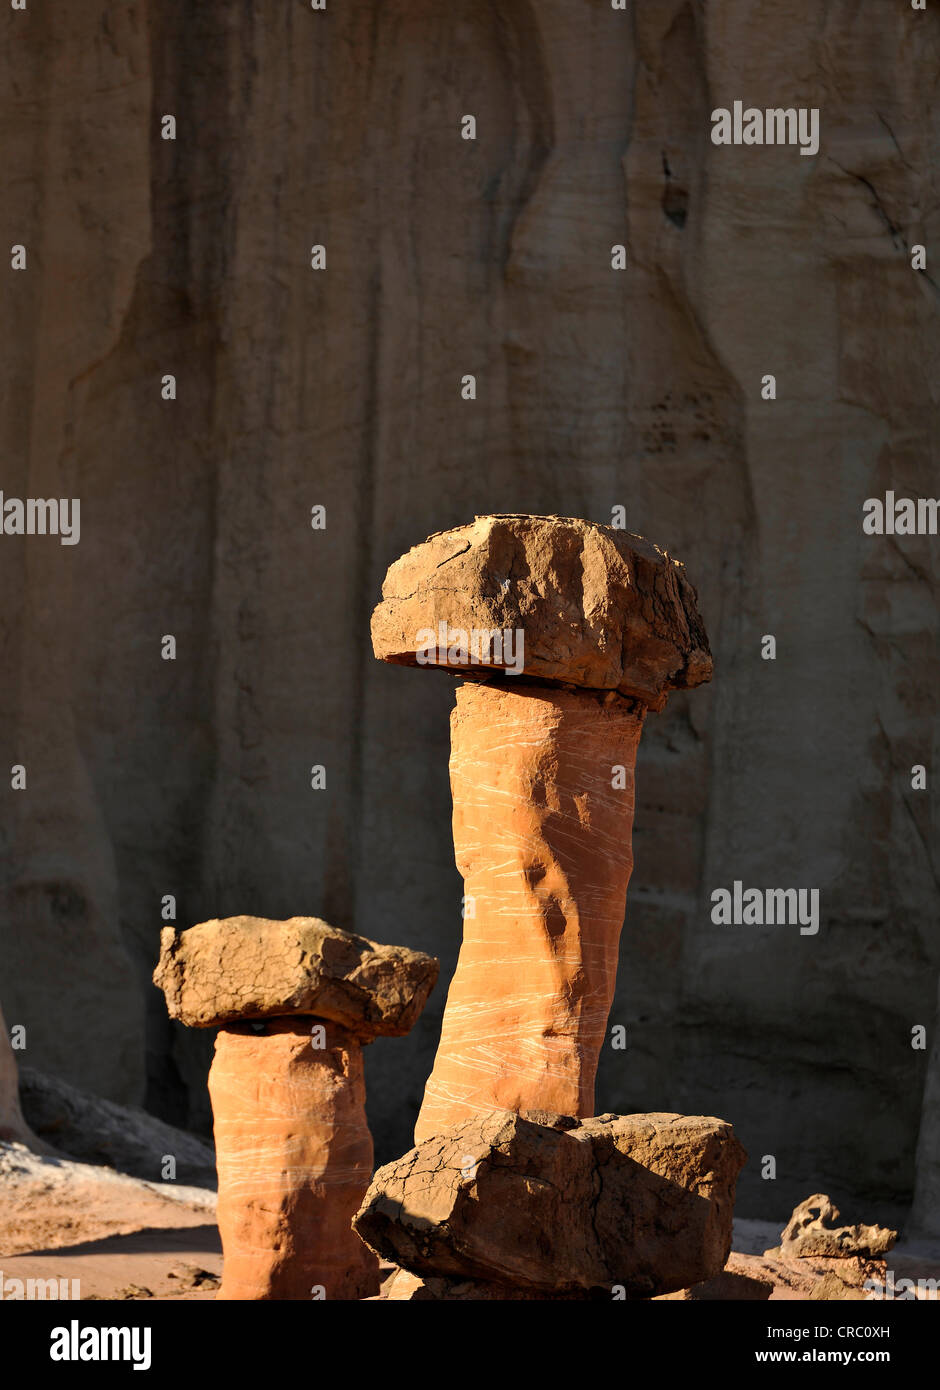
595	389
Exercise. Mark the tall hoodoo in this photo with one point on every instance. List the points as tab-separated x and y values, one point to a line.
566	634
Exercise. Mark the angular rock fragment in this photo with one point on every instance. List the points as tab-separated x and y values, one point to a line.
604	624
811	1231
641	1204
240	968
293	1149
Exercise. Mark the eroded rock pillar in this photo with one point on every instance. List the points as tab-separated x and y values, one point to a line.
294	1002
542	783
294	1156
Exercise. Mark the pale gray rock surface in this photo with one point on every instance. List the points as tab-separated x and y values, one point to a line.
81	1126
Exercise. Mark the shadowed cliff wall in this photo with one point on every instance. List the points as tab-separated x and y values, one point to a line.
595	388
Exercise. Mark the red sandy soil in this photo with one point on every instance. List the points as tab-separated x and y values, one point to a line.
156	1263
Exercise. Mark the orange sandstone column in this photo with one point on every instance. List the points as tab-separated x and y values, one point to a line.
294	1157
542	837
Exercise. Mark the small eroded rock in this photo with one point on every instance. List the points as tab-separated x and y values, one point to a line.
812	1230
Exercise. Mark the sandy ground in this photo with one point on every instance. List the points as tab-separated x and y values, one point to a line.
163	1263
119	1236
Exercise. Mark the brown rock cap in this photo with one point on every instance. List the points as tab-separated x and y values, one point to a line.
240	968
599	608
641	1201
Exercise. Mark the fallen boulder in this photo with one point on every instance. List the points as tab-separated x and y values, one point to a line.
625	1205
